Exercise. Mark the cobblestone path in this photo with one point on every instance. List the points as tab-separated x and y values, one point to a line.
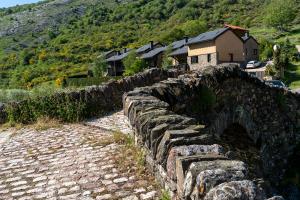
67	163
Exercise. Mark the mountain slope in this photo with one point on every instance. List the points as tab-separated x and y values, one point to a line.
52	39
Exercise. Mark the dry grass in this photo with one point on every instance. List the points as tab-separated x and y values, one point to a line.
45	123
41	124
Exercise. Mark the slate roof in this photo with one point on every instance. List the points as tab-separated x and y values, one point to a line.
145	47
180	51
118	57
153	52
108	52
207	36
245	38
179	44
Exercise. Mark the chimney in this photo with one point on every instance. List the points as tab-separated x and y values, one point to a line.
118	53
186	39
247	34
125	50
151	45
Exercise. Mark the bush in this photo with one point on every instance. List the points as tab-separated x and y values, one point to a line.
100	67
133	64
59	106
13	95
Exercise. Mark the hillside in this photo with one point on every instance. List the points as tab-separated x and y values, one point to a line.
42	42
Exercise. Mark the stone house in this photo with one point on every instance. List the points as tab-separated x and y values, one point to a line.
224	45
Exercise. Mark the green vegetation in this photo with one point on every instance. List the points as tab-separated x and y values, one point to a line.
165	195
167	61
60	106
280	13
33	52
133	64
292	75
100	67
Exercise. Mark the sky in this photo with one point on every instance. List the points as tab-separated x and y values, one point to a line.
9	3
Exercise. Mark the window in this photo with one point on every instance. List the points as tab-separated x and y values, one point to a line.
208	57
246	51
254	51
194	59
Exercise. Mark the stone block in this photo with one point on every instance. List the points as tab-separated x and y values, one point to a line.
204	175
188	150
242	190
183	163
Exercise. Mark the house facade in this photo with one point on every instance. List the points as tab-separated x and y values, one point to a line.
220	46
251	48
231	44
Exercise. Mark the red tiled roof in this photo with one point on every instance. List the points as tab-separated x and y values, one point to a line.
235	27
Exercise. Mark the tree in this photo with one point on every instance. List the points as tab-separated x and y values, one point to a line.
173	35
133	64
100	67
167	61
280	13
194	27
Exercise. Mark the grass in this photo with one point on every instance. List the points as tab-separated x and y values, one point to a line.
270	33
42	124
132	158
45	123
165	195
292	75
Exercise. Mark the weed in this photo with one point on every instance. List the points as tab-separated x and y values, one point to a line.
165	195
45	123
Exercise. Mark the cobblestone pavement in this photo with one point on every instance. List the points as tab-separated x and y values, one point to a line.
67	163
115	121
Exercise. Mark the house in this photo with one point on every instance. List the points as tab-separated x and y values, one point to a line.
115	63
180	53
224	45
154	58
251	48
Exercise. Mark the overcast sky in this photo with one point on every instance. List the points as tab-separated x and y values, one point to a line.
9	3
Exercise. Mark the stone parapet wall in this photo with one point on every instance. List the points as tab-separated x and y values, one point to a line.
96	100
186	155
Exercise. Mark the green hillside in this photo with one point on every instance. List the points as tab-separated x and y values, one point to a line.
42	42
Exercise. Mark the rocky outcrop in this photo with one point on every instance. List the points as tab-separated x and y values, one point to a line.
181	122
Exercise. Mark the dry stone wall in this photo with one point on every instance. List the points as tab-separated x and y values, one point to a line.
180	122
91	101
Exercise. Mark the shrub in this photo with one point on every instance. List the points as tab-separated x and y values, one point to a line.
60	106
99	67
133	64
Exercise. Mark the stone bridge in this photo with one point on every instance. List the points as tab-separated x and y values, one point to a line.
217	134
